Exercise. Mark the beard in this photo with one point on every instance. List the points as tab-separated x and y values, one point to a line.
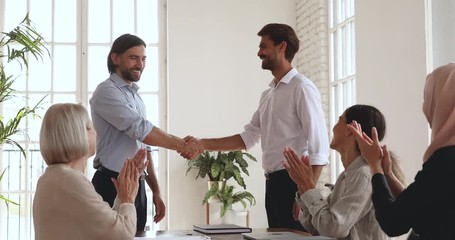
126	73
269	62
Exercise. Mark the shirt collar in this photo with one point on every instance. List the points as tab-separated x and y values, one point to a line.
356	164
119	82
286	79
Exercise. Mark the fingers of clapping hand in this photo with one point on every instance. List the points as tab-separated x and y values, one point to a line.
386	160
291	158
138	159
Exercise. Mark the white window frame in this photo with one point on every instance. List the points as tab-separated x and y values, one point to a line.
82	96
342	68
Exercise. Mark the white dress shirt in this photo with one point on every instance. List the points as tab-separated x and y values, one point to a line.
290	114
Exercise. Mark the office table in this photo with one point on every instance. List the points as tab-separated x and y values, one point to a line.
187	233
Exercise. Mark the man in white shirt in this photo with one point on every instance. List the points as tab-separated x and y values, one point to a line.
289	115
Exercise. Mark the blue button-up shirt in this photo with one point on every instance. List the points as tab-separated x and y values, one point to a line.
119	118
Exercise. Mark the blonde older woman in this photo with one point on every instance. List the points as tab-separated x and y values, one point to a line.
66	206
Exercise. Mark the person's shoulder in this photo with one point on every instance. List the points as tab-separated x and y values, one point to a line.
302	81
62	176
359	168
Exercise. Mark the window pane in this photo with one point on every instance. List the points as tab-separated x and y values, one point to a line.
65	68
10	110
351	43
332	13
350	8
41	15
34	124
125	22
147	24
14	222
340	53
39	73
17	9
37	165
97	66
17	74
333	53
65	21
150	76
14	178
99	19
151	104
342	11
65	98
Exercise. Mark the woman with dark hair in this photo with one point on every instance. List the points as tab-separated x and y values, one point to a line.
348	211
426	205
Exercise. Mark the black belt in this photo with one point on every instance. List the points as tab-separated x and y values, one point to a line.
114	174
270	175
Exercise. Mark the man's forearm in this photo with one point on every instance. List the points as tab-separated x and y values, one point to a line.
151	179
317	169
160	138
234	142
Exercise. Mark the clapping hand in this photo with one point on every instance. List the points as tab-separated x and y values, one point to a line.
127	182
299	170
370	149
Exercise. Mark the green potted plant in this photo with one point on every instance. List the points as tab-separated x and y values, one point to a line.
227	197
221	166
17	45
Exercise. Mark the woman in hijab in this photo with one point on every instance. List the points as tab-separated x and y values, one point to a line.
428	204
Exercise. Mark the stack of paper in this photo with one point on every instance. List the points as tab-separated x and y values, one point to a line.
221	228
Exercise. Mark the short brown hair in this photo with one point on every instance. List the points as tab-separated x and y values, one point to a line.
281	32
63	134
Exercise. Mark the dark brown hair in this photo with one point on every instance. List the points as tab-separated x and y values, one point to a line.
369	117
121	45
281	32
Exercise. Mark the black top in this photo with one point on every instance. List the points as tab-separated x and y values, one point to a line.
427	205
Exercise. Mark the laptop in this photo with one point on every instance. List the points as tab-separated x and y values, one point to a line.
281	236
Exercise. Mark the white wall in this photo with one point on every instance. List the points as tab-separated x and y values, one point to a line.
214	84
391	71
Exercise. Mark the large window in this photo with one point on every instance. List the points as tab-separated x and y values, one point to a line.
342	66
79	34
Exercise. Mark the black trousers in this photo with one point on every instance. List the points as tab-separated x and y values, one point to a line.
279	199
104	186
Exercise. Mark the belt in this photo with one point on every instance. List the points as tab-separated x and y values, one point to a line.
114	174
270	175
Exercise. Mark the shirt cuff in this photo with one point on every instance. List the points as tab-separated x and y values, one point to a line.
311	197
319	159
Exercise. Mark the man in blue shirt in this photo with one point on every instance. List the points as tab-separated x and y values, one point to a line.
119	118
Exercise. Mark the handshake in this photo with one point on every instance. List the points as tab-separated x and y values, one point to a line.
192	148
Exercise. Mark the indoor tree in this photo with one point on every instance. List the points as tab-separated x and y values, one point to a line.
18	45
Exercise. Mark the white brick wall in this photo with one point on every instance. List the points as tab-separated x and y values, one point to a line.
313	58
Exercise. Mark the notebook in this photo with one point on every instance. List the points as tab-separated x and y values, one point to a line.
281	236
221	228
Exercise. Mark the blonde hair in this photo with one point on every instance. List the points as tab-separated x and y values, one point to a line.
63	134
396	170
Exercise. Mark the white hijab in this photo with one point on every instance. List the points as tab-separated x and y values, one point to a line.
439	107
